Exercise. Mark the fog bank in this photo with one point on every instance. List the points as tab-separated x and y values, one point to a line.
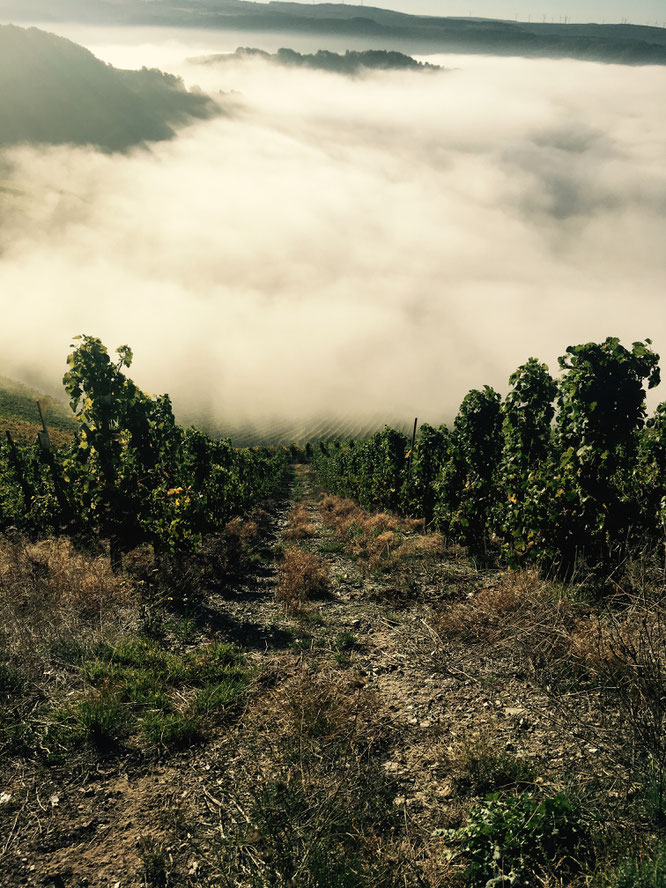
342	247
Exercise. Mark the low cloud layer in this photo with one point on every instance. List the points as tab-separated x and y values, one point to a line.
351	248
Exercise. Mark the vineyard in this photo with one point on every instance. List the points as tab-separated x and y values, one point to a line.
132	476
435	661
562	474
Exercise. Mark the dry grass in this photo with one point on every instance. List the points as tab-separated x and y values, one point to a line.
479	763
303	576
380	541
300	526
517	605
48	590
328	708
244	529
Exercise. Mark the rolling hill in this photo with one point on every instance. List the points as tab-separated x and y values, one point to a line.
367	27
53	91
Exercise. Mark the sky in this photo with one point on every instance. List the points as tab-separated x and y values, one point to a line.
360	248
639	12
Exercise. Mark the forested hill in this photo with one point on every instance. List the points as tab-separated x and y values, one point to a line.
56	92
366	27
350	63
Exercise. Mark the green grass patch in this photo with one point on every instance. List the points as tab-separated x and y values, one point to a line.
138	685
331	547
171	729
17	401
645	871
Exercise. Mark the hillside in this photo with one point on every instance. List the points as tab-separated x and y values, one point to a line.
350	63
55	92
340	666
20	416
368	27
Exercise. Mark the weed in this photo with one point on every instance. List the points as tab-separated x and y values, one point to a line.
10	680
153	862
331	547
517	840
344	640
300	526
101	718
343	643
151	622
183	629
480	766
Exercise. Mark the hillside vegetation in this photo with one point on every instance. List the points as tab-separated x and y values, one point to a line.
53	91
215	672
349	63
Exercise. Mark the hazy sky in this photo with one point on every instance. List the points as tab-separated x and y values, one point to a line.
346	246
637	11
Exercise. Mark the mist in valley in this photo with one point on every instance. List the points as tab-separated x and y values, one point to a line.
345	248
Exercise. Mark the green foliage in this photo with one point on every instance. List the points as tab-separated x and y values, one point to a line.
132	475
601	410
562	473
527	446
350	63
431	451
468	486
512	841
